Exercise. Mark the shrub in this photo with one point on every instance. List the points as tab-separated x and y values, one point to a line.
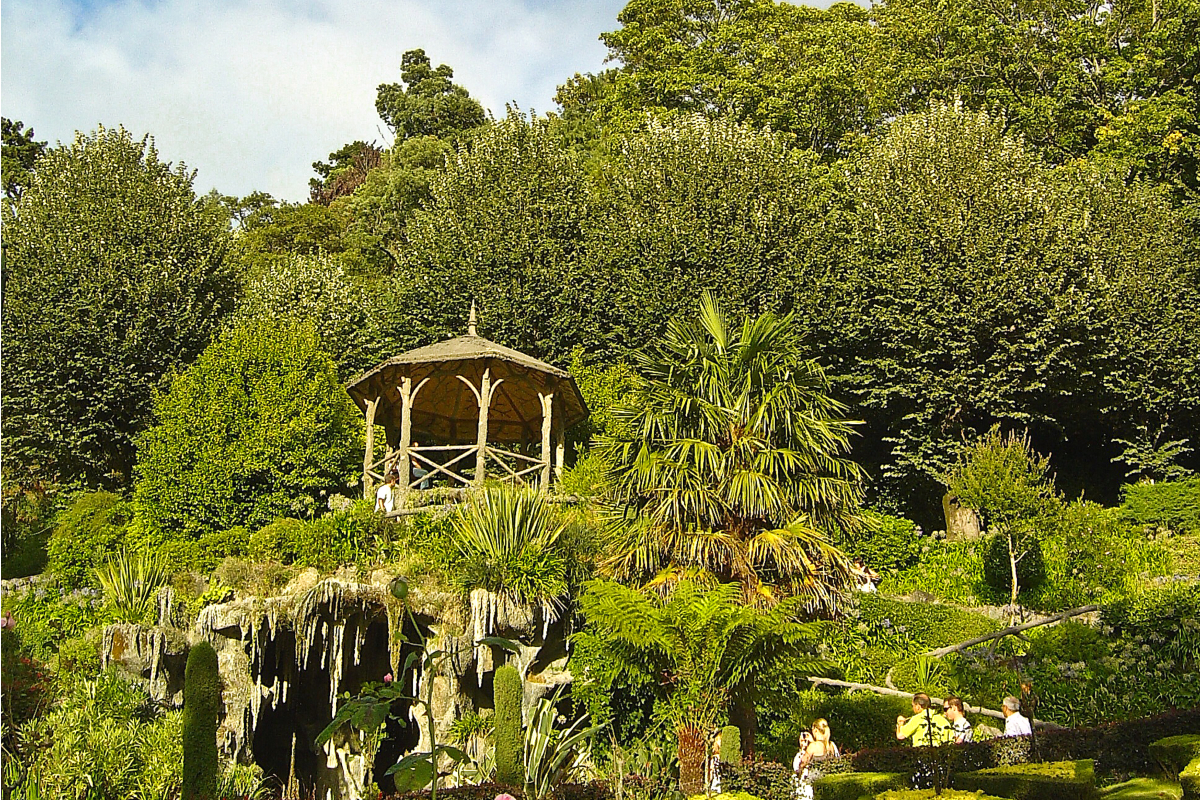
859	720
1174	505
885	542
47	618
86	534
731	745
257	428
107	735
1059	780
997	572
201	704
1174	753
853	785
1189	780
279	541
507	694
769	780
951	572
928	794
130	582
28	684
928	625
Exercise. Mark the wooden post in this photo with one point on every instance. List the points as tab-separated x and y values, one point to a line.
560	445
369	455
485	400
404	465
547	424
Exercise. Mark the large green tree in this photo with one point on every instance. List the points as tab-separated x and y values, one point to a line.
114	274
426	102
731	465
20	153
258	427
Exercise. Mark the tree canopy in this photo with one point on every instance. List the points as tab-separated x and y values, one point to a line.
115	273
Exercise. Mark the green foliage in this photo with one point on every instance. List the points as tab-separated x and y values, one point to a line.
930	794
554	756
258	427
604	387
508	541
951	572
130	582
715	648
20	153
508	691
731	745
586	478
1189	780
1174	505
427	104
347	536
853	785
1174	753
47	618
347	169
201	705
859	720
1069	780
1002	478
106	739
732	463
354	316
928	625
884	543
27	513
86	534
114	276
997	571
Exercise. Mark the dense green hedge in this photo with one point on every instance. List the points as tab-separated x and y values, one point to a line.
1059	780
1174	753
769	780
1174	505
853	785
1189	779
927	625
86	534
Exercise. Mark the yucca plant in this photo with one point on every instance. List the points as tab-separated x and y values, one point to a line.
730	464
510	541
554	757
130	582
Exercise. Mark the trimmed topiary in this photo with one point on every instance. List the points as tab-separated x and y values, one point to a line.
731	745
201	704
506	692
1057	780
853	785
1189	779
1174	753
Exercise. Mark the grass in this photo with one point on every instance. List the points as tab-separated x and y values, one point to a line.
1143	789
1185	551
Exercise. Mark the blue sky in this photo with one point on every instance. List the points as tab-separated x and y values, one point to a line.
251	92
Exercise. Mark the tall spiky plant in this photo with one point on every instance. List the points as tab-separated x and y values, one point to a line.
733	467
509	541
701	650
130	582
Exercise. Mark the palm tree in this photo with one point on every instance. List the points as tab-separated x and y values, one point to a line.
729	464
701	649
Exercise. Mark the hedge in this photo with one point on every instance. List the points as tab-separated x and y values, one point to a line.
928	625
1117	747
1175	505
596	790
766	779
1174	753
1189	779
927	794
853	785
1058	780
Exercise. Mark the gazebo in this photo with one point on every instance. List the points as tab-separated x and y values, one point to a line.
464	409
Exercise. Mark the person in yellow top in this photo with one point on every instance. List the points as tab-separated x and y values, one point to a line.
926	728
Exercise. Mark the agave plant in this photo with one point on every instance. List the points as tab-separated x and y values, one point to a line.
554	757
130	582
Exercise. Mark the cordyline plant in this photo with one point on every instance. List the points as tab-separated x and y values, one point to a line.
730	464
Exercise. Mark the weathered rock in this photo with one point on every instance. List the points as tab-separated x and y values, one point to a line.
155	656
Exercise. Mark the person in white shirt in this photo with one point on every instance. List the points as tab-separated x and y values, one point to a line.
1015	723
385	500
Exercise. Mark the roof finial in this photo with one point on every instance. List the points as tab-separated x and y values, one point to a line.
471	321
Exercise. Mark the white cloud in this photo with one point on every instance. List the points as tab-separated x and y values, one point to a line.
250	93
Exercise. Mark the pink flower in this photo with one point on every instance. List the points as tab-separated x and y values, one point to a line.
505	796
387	678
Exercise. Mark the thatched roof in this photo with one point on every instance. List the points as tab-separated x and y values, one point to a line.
446	410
